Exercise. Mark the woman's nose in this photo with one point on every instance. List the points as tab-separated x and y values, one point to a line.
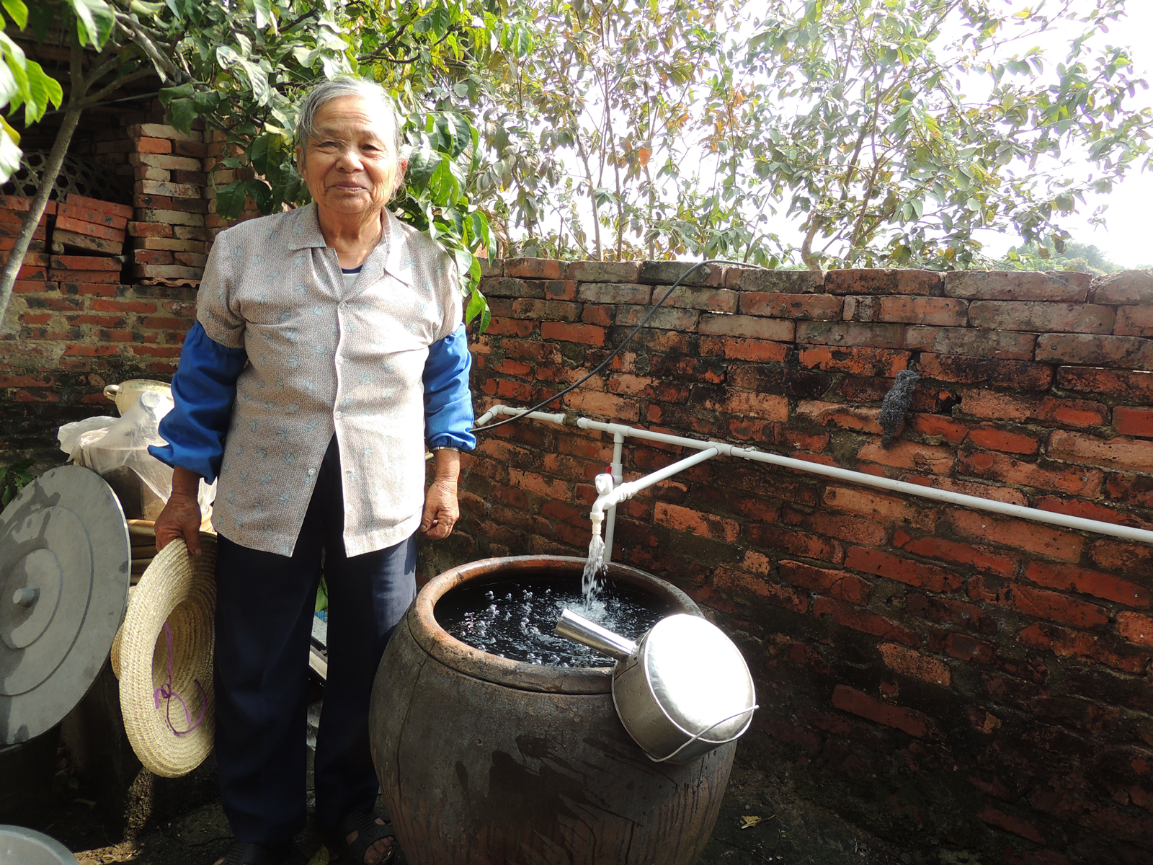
348	159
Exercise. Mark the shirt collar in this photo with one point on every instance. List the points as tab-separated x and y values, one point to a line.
389	255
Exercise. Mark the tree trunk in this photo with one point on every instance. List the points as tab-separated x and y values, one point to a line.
39	203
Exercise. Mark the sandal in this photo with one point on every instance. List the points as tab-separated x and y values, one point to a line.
368	832
262	854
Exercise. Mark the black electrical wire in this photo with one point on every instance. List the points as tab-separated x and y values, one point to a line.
618	349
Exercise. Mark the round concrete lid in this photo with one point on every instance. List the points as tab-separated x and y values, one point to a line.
29	847
65	564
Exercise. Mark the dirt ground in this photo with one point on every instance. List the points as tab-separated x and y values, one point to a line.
180	822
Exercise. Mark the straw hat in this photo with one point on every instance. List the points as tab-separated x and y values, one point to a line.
164	656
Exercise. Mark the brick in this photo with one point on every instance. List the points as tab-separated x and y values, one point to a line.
1121	557
681	320
85	262
171	190
91	229
1128	286
68	278
837	584
1128	352
771	407
997	467
970	342
608	292
172	244
123	211
1041	317
1054	607
1066	643
944	311
192	178
1017	375
694	297
508	287
729	580
817	307
915	665
1018	534
152	256
1131	489
1135	628
21	204
979	559
605	405
166	271
794	542
840	415
880	362
545	310
880	281
1087	582
668	272
1048	410
1016	285
534	268
149	229
850	333
746	326
871	504
1118	452
77	240
169	217
969	649
160	130
194	149
737	348
1134	321
90	215
603	271
145	172
1133	421
857	703
909	455
782	281
153	145
1010	823
856	530
907	571
993	438
166	162
1131	386
697	523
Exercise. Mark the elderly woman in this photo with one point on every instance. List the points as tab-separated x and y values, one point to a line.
328	352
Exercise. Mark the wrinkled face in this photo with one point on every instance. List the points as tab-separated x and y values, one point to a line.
350	167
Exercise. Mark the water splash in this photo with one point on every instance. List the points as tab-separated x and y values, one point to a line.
595	568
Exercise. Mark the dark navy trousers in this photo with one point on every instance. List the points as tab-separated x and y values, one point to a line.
264	612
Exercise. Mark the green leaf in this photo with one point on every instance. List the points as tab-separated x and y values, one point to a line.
264	16
230	200
18	12
181	114
43	90
9	151
41	16
94	21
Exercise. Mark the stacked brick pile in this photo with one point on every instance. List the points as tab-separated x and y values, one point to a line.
169	233
947	677
90	225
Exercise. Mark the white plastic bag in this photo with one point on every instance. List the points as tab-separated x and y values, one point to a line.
105	444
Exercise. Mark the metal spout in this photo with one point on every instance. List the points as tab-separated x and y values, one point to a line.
581	630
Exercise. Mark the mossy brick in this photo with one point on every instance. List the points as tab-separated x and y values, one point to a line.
856	360
169	217
1018	285
970	342
161	130
881	281
1134	321
171	190
668	272
814	307
1128	286
681	320
1041	317
775	281
603	271
1126	352
195	149
1016	375
614	292
915	665
699	297
503	286
851	333
839	415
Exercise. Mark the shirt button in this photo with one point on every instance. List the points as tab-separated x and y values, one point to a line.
343	304
338	415
311	472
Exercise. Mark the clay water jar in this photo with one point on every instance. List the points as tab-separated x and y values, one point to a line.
488	761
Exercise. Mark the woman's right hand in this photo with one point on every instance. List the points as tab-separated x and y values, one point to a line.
181	516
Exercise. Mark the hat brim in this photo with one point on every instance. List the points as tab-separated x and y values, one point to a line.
179	590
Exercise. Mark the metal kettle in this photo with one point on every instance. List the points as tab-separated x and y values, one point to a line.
682	690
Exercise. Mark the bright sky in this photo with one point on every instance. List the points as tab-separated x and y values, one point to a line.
1127	239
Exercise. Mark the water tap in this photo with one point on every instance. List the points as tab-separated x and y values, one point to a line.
604	484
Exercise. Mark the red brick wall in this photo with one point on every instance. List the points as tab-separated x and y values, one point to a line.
938	674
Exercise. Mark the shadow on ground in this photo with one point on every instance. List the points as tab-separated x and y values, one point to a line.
180	822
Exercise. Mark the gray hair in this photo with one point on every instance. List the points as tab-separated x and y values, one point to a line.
347	85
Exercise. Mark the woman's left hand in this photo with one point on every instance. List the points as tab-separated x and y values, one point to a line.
441	510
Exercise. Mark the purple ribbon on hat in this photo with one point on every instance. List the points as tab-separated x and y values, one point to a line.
166	693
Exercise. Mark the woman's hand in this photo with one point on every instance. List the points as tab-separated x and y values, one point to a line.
441	510
181	516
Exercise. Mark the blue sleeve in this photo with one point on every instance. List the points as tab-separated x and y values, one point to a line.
448	416
203	389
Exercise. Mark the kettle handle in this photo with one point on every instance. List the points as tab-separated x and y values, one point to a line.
112	391
591	634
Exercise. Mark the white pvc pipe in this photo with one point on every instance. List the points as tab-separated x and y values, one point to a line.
630	488
617	471
1127	533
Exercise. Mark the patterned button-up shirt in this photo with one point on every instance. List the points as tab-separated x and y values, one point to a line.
325	360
